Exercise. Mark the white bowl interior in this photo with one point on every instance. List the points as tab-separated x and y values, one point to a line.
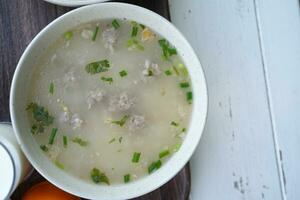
21	82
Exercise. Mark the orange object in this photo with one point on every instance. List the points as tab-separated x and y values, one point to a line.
47	191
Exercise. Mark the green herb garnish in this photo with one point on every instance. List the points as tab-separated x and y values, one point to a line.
68	35
184	85
65	141
174	123
142	26
52	136
132	43
164	153
150	72
107	79
34	129
112	140
175	70
41	116
59	165
97	67
115	24
95	33
183	70
51	88
120	139
168	72
126	178
134	31
154	166
136	157
183	130
122	121
177	147
189	96
167	50
79	141
44	148
98	177
123	73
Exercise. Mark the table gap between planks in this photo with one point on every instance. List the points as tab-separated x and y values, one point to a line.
20	21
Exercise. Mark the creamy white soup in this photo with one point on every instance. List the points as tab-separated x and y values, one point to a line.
110	101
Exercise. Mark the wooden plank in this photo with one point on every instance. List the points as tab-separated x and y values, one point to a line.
236	157
20	21
279	26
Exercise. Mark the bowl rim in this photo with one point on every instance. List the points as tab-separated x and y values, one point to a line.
127	191
74	3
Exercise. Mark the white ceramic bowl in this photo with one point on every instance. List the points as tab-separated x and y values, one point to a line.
74	3
21	84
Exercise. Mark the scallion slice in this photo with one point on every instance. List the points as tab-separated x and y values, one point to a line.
68	35
164	153
189	96
65	141
95	33
174	123
123	73
126	178
136	157
115	24
52	136
51	88
184	85
107	79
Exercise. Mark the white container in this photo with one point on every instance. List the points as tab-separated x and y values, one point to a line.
21	84
14	167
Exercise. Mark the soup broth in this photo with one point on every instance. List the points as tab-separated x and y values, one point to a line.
110	101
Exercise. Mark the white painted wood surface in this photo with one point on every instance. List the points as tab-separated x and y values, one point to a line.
250	52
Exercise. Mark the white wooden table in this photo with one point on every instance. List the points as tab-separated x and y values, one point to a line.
250	53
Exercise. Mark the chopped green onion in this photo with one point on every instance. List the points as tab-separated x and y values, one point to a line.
122	121
126	178
134	31
34	129
107	79
184	85
98	177
136	157
51	88
123	73
174	123
168	72
68	35
41	116
164	153
132	43
142	26
95	33
120	139
65	141
112	140
79	141
175	70
183	130
167	50
154	166
44	148
115	24
150	72
59	165
97	67
52	136
183	70
189	96
177	147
